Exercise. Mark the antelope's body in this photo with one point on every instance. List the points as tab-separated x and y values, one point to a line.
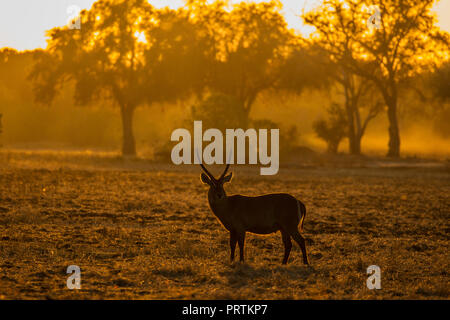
260	215
271	219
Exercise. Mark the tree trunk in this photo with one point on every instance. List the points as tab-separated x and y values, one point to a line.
350	104
353	142
246	120
394	135
357	134
128	142
358	130
247	105
357	144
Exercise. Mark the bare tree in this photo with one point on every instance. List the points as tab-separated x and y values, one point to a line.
407	42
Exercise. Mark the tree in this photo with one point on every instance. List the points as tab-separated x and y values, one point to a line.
358	94
126	52
313	66
12	85
438	85
306	66
14	89
407	42
248	45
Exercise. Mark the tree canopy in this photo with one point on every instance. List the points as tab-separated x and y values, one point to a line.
126	51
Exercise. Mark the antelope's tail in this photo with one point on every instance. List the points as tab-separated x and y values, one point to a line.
301	214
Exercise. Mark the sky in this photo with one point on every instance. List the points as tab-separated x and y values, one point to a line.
23	22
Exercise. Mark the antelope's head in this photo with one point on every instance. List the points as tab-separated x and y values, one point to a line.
216	190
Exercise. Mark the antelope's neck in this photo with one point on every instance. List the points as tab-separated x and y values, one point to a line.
220	209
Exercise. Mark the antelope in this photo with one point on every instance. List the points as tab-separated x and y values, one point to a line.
260	215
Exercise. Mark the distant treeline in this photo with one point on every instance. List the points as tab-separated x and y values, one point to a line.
221	58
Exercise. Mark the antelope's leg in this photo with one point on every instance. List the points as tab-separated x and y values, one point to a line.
233	241
301	242
287	245
241	241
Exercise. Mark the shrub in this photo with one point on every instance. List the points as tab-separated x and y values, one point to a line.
333	129
288	135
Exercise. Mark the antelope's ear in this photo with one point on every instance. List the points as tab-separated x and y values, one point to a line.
205	179
227	178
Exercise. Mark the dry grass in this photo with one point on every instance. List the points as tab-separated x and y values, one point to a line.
144	231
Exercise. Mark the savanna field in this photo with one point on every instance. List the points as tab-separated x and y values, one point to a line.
144	230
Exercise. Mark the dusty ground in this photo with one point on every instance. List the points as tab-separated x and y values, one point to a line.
144	231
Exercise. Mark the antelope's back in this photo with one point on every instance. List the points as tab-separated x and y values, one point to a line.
265	214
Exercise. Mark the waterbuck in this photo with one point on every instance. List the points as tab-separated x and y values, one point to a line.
261	215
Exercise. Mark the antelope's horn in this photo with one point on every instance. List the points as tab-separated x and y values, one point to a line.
228	164
203	167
